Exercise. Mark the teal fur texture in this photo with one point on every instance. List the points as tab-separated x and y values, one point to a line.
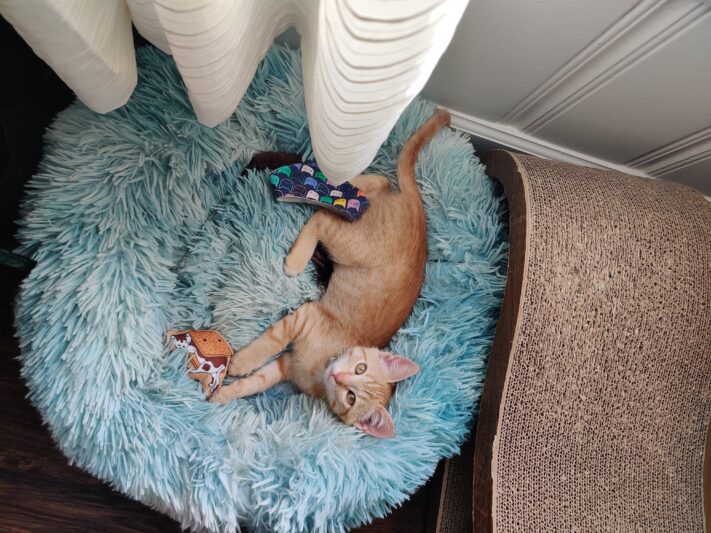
140	221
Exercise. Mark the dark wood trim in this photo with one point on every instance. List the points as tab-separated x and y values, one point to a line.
502	166
450	503
707	479
433	505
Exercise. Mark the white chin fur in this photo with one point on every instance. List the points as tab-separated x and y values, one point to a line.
329	384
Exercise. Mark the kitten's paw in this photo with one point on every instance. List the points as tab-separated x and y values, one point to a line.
292	266
220	396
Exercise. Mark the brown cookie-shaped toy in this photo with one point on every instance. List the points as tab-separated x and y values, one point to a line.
208	356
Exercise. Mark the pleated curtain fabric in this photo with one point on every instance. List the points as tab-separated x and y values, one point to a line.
363	60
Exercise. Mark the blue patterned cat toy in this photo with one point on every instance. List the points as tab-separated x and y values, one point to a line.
304	182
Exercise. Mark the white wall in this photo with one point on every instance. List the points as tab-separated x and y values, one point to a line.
618	83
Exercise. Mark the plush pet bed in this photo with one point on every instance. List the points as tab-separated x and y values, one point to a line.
141	221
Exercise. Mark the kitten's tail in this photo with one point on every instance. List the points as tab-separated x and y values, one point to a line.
408	156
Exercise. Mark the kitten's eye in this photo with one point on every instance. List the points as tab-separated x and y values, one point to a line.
350	398
360	368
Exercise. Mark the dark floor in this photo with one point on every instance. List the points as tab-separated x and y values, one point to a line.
40	492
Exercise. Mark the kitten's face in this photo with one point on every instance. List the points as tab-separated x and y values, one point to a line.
359	383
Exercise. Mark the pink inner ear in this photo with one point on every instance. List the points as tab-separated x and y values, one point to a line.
397	367
377	424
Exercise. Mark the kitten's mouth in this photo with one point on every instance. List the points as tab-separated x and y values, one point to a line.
329	363
328	377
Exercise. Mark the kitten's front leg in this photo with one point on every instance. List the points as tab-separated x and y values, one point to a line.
271	342
261	380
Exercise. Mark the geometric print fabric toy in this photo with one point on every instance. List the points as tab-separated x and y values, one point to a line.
304	182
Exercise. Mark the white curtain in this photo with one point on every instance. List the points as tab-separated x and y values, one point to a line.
363	60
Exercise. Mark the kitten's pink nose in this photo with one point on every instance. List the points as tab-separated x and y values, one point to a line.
338	377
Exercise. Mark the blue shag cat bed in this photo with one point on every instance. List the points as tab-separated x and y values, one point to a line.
140	221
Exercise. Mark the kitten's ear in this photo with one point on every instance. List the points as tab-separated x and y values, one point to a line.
377	423
397	367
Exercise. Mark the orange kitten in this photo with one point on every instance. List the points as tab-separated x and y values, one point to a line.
379	267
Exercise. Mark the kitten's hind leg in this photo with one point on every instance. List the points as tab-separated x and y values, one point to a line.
370	184
261	380
271	342
303	249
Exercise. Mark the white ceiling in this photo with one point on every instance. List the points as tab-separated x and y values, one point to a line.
620	83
